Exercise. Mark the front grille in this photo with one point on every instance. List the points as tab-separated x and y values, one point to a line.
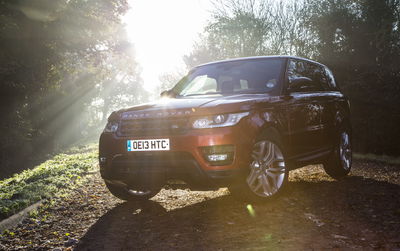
153	127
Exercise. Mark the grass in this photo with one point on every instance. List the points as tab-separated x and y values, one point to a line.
55	177
381	158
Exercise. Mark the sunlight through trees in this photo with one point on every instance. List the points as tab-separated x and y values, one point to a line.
64	66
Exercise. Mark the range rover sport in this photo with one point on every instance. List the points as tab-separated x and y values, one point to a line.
242	123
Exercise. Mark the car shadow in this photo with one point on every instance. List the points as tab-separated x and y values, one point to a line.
354	212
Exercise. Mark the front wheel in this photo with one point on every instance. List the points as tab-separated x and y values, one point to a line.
130	194
267	175
339	163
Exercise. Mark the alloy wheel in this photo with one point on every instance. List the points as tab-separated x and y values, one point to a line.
267	170
345	150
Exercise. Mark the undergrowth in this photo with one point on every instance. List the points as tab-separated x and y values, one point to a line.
55	177
381	158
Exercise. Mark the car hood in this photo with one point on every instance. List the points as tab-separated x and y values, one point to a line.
192	106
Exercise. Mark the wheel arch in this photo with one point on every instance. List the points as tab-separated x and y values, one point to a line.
341	122
270	130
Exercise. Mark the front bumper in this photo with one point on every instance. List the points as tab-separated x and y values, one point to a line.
185	160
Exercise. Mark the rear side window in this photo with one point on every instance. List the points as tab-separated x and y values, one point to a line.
330	79
316	73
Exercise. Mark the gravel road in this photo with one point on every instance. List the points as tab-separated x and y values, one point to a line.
360	212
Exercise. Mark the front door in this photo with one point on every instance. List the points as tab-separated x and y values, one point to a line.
304	109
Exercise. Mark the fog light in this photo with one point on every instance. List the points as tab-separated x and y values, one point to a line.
218	155
103	159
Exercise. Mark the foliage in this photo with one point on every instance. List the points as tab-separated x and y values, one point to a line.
252	28
169	79
358	40
378	158
64	65
51	178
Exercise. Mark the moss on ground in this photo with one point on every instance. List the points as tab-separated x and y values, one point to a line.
55	177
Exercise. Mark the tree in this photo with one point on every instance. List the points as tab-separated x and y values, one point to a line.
57	58
252	28
360	41
170	79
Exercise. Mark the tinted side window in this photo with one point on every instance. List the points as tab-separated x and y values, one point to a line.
330	79
319	77
314	72
295	69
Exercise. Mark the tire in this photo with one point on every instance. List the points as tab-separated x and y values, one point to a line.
129	194
267	175
339	163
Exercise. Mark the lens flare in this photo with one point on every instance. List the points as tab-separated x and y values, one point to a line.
251	210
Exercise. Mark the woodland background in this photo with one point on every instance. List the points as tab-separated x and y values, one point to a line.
66	64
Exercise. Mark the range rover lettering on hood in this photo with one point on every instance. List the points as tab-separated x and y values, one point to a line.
187	106
155	114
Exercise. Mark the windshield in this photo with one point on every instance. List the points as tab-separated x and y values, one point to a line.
234	77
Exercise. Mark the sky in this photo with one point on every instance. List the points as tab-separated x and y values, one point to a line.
163	32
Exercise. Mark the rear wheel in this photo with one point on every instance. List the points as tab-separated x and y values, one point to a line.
267	174
339	163
132	194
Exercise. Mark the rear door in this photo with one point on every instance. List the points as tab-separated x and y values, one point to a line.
331	104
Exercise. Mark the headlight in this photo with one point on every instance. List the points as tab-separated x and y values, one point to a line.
221	120
112	126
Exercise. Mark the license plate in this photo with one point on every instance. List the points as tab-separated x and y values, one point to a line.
143	145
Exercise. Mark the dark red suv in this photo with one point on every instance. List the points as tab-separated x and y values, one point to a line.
241	123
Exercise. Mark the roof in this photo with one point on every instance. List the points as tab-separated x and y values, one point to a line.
257	58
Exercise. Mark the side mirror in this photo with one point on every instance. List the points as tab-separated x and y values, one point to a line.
299	84
167	94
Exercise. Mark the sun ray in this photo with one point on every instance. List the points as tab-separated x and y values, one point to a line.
163	31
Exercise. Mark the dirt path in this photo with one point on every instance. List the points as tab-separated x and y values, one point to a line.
318	213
